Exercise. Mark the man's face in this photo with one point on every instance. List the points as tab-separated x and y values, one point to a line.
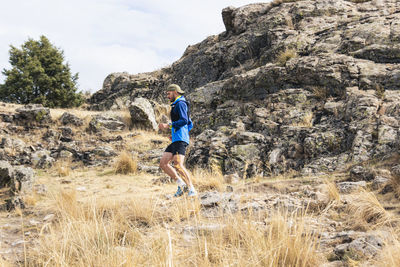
171	95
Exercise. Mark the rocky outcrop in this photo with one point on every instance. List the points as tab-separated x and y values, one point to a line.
33	114
70	119
104	122
303	85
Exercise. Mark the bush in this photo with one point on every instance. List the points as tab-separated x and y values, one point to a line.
125	164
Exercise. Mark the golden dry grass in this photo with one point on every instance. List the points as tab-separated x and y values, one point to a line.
62	168
144	141
136	233
285	56
395	183
206	180
5	263
239	242
320	92
332	192
126	163
366	212
390	256
98	234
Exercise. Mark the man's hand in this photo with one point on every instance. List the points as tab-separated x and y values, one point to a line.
163	126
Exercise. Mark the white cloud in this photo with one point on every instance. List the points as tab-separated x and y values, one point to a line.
104	36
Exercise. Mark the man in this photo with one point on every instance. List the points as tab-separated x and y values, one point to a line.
180	127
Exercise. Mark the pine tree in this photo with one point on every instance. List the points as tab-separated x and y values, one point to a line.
38	75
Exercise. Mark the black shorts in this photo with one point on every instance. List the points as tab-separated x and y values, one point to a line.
178	147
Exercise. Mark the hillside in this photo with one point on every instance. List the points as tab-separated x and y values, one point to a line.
294	152
296	84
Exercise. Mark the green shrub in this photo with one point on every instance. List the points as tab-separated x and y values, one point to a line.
38	75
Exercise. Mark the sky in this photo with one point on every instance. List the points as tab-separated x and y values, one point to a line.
100	37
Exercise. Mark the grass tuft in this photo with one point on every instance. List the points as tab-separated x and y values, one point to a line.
208	180
125	164
332	191
285	56
366	212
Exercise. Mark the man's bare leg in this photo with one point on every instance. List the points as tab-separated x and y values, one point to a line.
164	165
180	168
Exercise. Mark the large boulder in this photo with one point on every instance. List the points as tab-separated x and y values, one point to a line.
33	114
68	119
142	114
105	122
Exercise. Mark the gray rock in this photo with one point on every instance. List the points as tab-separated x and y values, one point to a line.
210	199
149	169
23	180
387	134
66	132
360	173
104	122
13	144
215	202
33	114
104	151
65	154
14	202
379	182
203	229
70	119
395	171
349	187
42	159
361	248
6	173
142	114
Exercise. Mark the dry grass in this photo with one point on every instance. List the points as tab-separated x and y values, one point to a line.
332	192
5	263
306	120
366	212
395	183
126	163
320	92
144	141
136	233
240	242
162	113
56	113
390	256
285	56
208	180
63	168
99	234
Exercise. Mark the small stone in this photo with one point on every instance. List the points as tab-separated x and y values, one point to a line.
49	217
33	222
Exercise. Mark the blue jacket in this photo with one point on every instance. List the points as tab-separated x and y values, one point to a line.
181	123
